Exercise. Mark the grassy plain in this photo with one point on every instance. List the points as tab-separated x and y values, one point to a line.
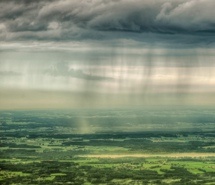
128	146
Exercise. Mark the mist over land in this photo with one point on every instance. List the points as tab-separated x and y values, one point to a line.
107	92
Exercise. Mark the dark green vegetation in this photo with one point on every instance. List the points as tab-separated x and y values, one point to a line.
52	147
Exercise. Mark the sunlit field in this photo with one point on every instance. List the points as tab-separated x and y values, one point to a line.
117	146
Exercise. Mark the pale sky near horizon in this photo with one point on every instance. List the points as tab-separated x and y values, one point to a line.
98	53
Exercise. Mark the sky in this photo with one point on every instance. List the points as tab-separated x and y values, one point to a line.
106	53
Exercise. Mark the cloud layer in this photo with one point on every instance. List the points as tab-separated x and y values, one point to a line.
105	19
77	53
63	69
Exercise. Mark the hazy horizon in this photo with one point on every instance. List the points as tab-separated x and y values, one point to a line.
68	54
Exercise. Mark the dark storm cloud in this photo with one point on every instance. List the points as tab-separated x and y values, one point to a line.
104	19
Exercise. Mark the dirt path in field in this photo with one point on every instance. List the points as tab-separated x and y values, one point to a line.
171	155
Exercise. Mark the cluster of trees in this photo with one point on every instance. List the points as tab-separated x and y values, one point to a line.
74	173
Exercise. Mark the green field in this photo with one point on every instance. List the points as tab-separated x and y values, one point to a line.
50	148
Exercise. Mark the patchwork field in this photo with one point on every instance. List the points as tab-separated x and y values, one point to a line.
50	147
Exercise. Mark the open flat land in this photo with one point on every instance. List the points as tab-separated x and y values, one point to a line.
128	146
173	155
